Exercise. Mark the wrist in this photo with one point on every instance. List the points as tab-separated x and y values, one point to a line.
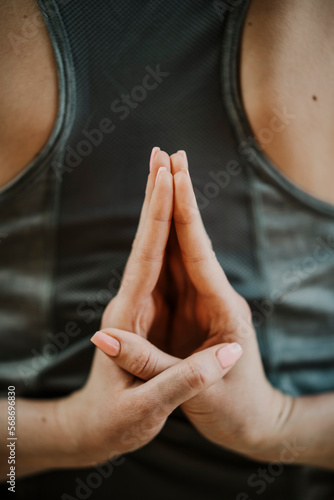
306	434
82	449
44	443
274	435
69	449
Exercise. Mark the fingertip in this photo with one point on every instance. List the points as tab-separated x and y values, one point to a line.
184	154
182	183
182	174
160	171
229	354
158	160
161	159
179	162
106	343
163	180
153	153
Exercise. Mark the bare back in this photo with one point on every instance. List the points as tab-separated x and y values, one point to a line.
28	86
287	61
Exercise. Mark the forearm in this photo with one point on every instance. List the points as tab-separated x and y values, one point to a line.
307	435
42	440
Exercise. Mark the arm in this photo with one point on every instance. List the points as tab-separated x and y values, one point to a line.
307	435
44	439
100	422
243	412
43	442
42	428
104	420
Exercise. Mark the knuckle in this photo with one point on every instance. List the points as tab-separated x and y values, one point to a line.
148	256
161	218
142	365
200	257
185	215
186	212
194	259
144	253
195	378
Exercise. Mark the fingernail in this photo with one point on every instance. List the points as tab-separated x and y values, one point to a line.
161	169
153	153
107	344
229	354
185	156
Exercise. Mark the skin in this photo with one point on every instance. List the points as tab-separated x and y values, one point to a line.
103	420
286	61
235	409
28	86
240	411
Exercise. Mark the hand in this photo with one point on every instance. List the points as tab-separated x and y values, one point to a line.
242	411
188	309
184	332
140	300
116	411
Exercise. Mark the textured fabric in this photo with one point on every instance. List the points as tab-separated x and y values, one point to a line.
70	219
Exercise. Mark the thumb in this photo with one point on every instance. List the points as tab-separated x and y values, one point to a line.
133	353
188	377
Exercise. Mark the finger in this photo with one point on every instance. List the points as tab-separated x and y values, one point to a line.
179	162
189	377
198	256
158	159
146	258
175	263
133	353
